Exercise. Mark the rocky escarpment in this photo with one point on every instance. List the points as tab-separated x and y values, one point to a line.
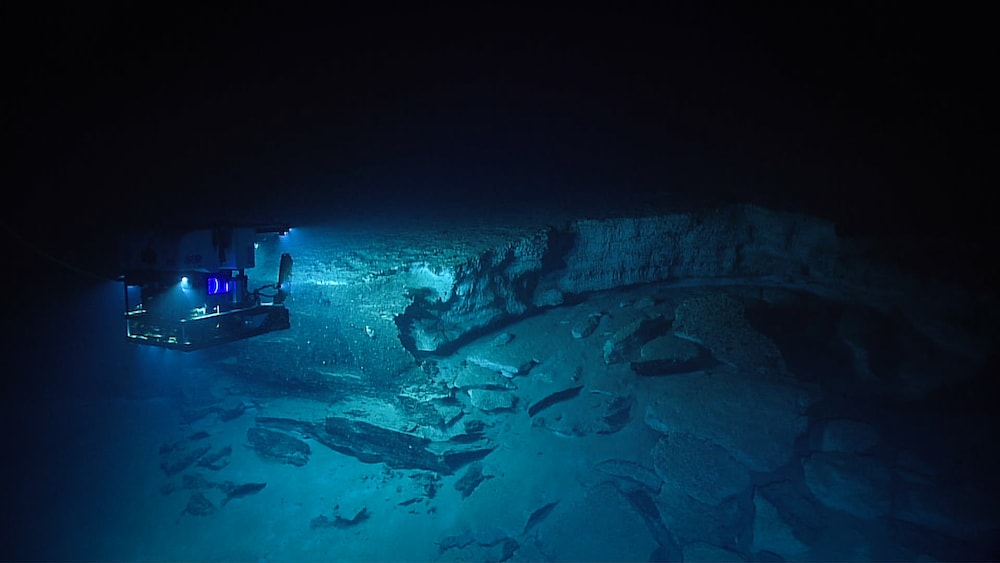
735	244
369	308
738	245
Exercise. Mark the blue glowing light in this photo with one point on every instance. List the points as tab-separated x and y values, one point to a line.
217	286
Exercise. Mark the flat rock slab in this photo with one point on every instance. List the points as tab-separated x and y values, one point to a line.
477	377
718	322
588	413
755	419
489	400
772	533
278	446
854	484
601	526
374	444
699	468
631	472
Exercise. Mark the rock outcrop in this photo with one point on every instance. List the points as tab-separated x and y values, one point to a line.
741	242
364	314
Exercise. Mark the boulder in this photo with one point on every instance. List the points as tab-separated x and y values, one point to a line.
631	472
669	347
668	354
625	342
489	400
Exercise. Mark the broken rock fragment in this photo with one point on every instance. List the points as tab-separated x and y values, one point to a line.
553	398
668	355
587	326
278	446
489	400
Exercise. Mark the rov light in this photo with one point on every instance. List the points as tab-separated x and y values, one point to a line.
185	283
217	286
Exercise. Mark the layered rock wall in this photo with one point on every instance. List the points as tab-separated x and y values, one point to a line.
368	309
732	244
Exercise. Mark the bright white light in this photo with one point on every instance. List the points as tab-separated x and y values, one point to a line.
184	283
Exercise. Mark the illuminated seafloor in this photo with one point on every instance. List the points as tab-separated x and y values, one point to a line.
731	383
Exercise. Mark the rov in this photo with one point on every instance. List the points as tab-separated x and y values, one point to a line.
188	289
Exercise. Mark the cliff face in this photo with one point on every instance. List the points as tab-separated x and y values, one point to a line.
369	308
743	242
738	245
